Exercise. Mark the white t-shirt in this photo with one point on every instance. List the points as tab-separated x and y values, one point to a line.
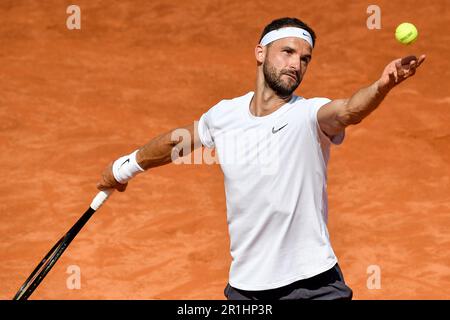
276	189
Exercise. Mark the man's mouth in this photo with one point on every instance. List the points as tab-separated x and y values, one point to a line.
293	76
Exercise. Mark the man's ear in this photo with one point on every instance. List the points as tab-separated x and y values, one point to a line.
260	53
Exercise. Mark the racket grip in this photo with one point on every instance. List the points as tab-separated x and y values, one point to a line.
100	198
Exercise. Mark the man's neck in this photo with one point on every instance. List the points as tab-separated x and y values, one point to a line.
265	101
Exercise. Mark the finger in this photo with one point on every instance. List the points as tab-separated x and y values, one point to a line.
392	77
400	70
407	60
101	186
421	59
400	73
412	67
121	187
107	182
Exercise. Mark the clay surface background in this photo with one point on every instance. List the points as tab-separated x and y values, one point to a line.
73	100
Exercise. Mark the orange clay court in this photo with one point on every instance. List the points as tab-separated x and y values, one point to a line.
73	100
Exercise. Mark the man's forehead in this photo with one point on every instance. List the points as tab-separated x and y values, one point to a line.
294	43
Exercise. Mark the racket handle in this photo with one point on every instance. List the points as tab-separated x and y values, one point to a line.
100	198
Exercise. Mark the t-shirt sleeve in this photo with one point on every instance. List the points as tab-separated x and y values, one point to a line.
336	139
205	131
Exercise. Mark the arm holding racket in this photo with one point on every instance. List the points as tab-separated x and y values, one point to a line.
159	151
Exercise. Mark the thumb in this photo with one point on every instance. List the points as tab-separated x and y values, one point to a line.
392	77
101	186
407	60
121	187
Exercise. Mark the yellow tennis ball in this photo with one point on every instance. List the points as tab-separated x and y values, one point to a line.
406	33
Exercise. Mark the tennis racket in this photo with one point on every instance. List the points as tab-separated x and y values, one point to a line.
53	255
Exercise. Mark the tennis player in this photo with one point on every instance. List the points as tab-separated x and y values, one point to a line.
273	148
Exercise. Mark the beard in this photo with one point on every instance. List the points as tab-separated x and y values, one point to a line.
281	87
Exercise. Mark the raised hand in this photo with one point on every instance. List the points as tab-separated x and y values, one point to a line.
399	70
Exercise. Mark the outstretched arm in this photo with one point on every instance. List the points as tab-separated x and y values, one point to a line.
159	151
336	115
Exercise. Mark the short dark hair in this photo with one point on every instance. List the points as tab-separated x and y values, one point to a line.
288	22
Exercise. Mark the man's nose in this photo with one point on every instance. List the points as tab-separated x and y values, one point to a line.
295	65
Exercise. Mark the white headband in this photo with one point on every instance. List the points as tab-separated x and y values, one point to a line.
287	32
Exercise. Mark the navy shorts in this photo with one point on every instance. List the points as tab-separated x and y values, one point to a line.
329	285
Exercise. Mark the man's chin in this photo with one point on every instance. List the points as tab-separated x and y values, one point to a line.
284	88
290	85
288	90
